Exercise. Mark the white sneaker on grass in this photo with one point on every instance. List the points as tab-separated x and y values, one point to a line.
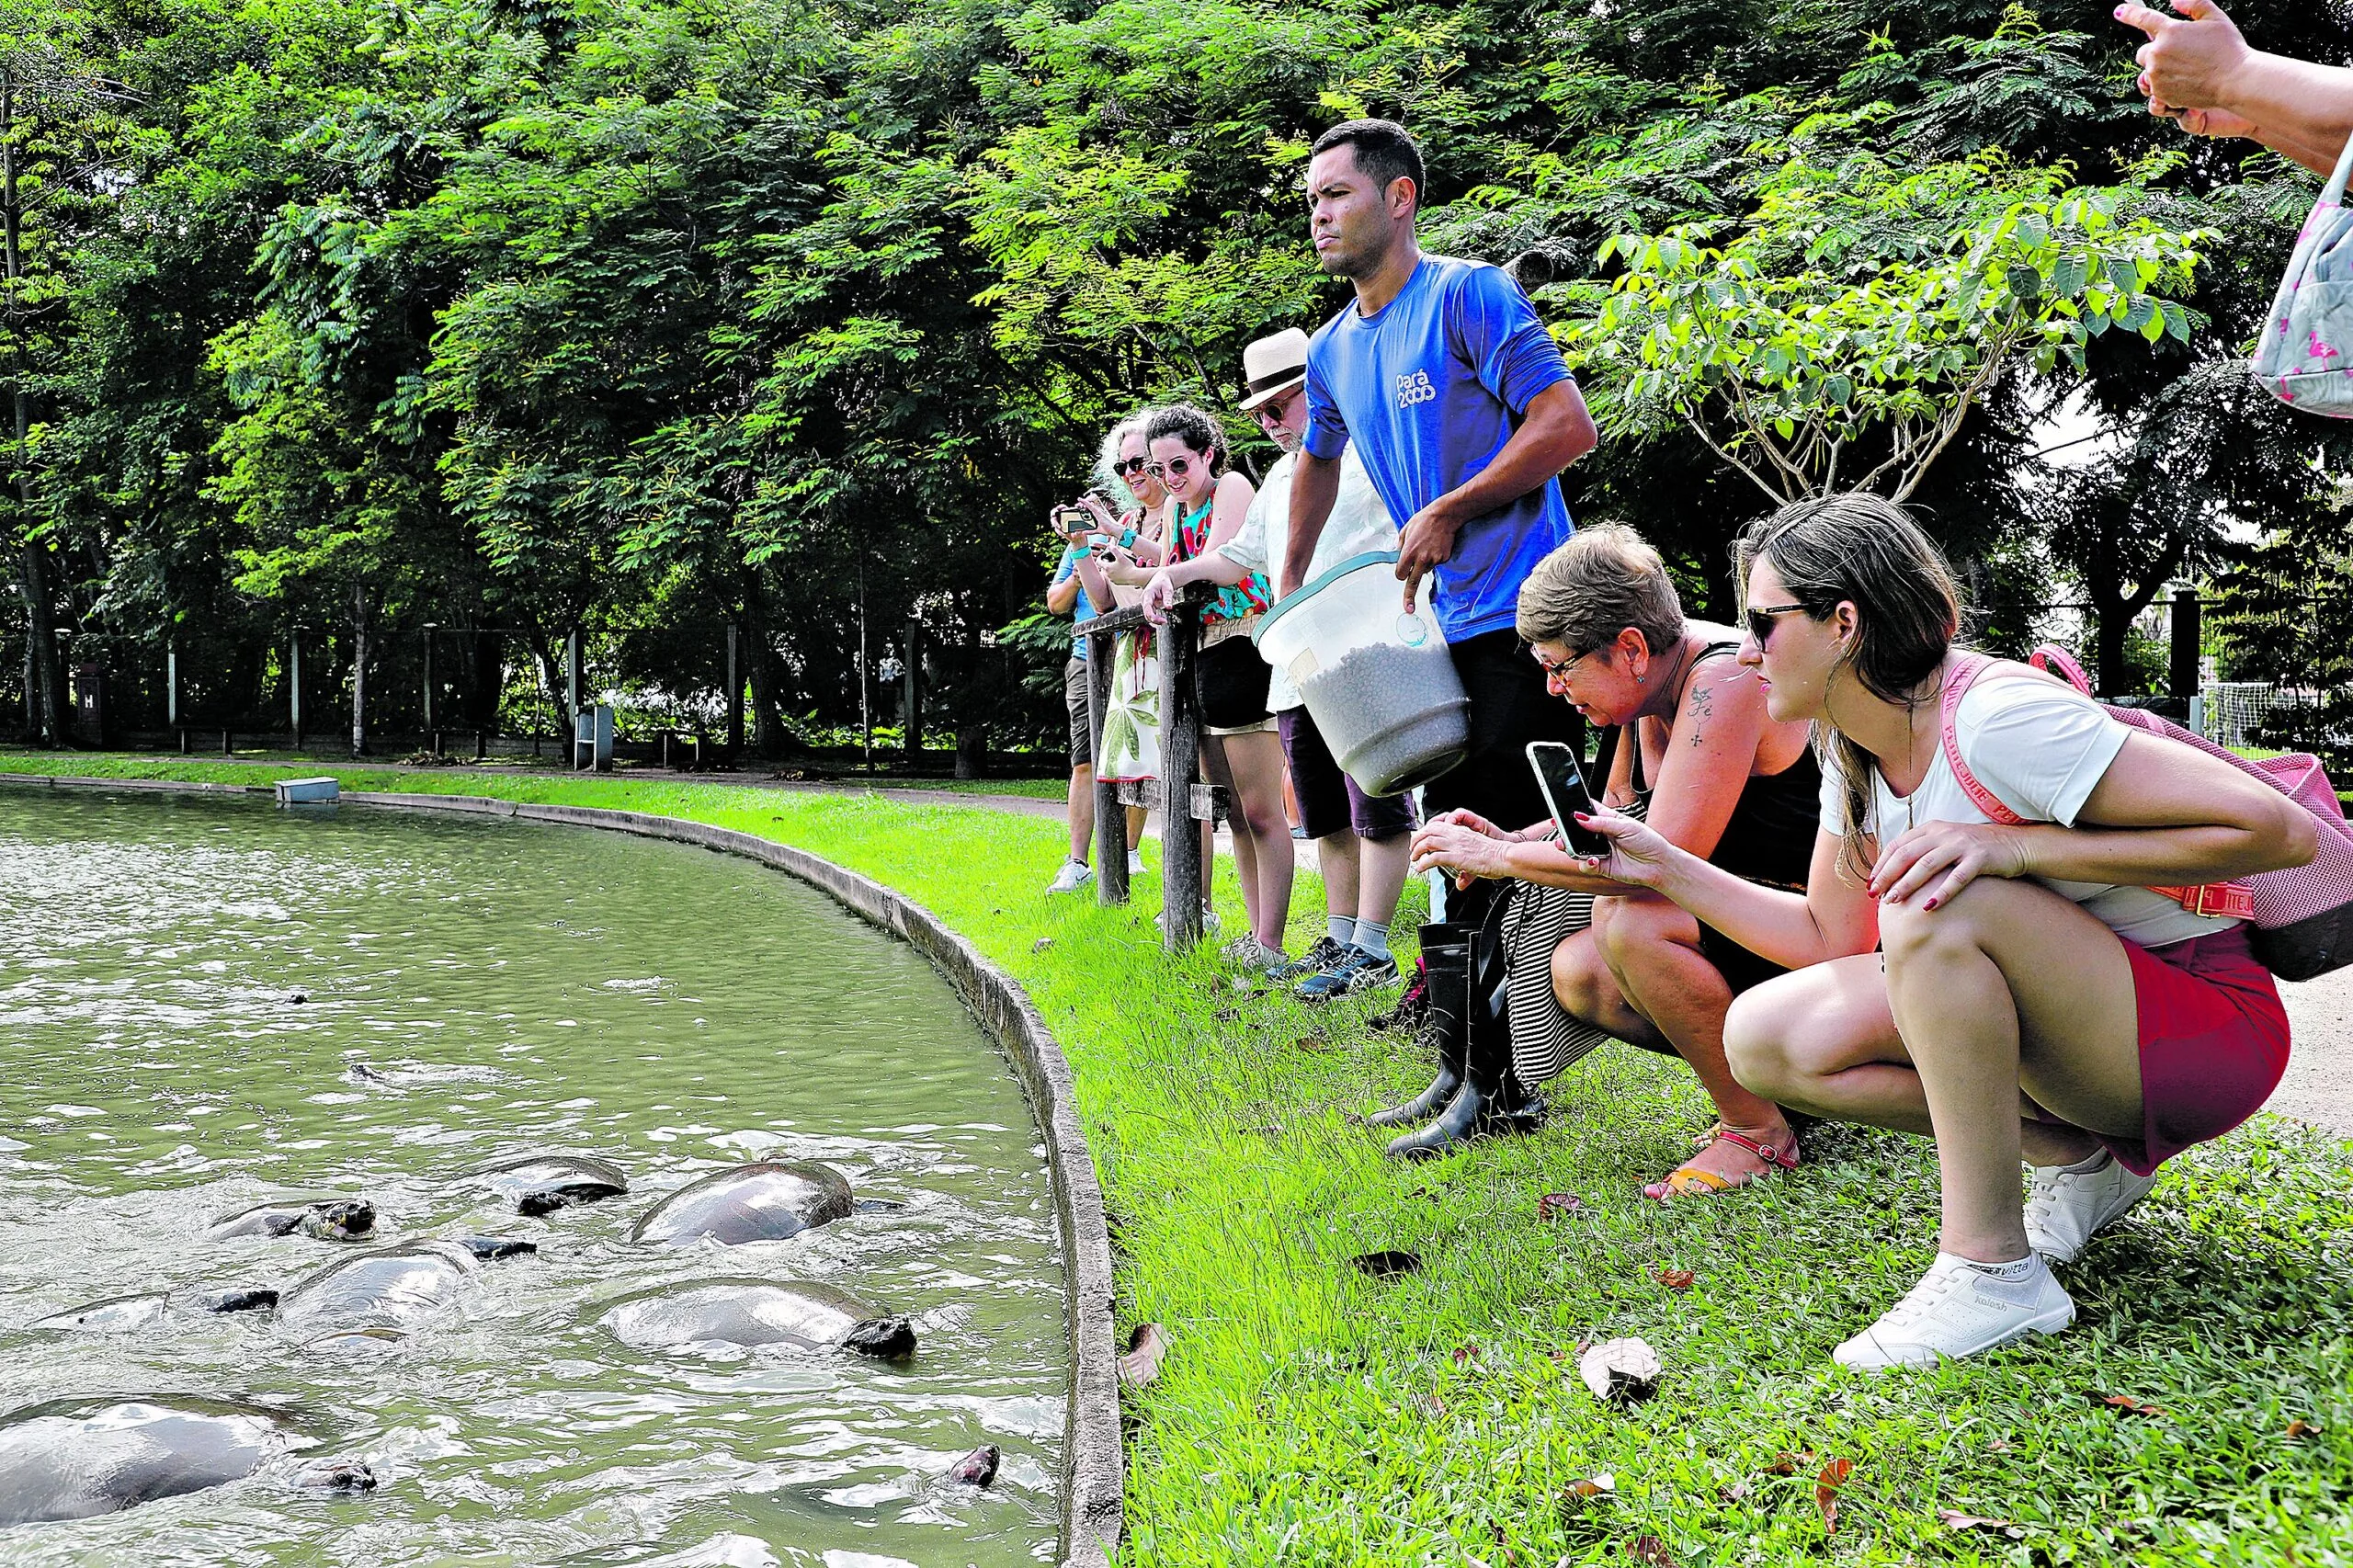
2067	1205
1135	862
1074	875
1958	1309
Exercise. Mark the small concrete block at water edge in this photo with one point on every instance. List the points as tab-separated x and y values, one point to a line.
304	791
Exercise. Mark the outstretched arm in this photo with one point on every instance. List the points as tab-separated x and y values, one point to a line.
2197	68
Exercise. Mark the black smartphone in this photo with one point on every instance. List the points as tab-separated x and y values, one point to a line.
1558	775
1071	521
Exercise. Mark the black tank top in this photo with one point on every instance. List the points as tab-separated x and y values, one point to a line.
1770	837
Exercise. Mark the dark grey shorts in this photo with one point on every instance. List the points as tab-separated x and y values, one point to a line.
1082	733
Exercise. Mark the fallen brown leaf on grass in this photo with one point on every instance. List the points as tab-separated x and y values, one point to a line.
1676	1279
1788	1463
1593	1486
1735	1492
1552	1205
2127	1404
1825	1492
1954	1519
1650	1550
2299	1427
1147	1348
1312	1041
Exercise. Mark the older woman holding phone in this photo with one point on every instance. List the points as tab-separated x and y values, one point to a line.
1699	757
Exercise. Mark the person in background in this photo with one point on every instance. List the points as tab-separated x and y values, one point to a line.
1081	590
2198	70
1441	377
1360	839
2059	985
1696	757
1239	746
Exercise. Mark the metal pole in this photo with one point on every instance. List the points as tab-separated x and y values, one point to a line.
2186	665
171	686
575	673
294	684
429	639
865	685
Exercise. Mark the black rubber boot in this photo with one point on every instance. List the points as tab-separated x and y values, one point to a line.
1446	958
1490	1101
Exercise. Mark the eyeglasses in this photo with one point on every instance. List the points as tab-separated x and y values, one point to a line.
1761	620
1275	411
1174	468
1127	466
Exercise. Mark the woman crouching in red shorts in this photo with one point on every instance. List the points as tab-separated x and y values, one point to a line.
2030	992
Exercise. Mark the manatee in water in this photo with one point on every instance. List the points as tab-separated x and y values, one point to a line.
323	1219
541	1184
131	1315
766	1202
757	1311
358	1341
398	1288
77	1459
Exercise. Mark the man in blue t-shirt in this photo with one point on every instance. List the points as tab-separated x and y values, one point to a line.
1463	412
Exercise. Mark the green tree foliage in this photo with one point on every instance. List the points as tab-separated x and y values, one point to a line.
649	319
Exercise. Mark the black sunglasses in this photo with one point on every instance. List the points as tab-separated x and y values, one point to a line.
1761	620
1127	466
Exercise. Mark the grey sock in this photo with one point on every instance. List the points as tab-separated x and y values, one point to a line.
1341	929
1372	939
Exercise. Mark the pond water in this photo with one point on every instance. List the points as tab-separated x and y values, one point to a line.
477	990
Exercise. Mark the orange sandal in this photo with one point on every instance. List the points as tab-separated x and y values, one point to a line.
1689	1181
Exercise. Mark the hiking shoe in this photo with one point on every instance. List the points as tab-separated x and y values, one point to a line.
1411	1008
1356	971
1074	875
1314	961
1135	862
2065	1206
1958	1309
1248	952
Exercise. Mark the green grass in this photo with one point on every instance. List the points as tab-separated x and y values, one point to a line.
1309	1415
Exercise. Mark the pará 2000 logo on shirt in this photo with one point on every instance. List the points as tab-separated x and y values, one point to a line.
1415	389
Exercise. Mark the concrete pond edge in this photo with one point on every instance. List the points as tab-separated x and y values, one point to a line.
1094	1465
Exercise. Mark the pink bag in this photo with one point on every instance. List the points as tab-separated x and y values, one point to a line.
2299	915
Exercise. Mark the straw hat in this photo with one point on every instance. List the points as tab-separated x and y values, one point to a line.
1272	366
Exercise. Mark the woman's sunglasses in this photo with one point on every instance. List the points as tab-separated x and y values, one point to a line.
1127	466
1174	468
1763	618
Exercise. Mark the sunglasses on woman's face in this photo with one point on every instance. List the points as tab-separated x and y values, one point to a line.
1174	468
1127	466
1762	619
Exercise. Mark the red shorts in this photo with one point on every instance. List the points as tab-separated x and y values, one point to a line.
2213	1043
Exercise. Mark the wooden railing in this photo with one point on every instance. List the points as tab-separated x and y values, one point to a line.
1181	759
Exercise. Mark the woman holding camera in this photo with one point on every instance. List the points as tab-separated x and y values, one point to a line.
1240	748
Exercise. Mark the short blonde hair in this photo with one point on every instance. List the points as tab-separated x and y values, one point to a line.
1605	579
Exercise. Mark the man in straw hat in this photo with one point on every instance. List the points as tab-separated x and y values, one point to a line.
1361	840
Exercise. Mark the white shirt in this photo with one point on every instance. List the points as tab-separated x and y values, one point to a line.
1358	525
2040	748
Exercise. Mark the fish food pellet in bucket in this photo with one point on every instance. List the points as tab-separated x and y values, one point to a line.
1393	716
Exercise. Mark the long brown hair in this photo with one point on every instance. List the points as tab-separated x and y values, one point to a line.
1863	550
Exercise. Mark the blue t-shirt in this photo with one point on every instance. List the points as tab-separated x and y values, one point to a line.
1082	611
1432	388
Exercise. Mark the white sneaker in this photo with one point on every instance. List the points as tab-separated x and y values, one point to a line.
1074	875
1958	1309
1135	862
2065	1207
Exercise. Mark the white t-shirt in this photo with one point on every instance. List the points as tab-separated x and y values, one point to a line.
2040	748
1358	525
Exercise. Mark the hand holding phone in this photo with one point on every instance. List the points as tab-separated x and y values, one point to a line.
1073	522
1558	775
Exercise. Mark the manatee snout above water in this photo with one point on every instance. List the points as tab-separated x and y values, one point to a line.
323	1219
541	1184
757	1311
75	1460
764	1203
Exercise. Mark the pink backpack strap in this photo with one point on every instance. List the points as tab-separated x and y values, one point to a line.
1963	674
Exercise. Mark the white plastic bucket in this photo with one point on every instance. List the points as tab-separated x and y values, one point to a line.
1377	678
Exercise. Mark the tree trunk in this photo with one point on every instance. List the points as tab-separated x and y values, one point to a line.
45	704
358	673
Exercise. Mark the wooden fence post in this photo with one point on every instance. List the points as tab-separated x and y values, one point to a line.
1110	813
1180	763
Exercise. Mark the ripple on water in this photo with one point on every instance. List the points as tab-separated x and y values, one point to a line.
510	988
